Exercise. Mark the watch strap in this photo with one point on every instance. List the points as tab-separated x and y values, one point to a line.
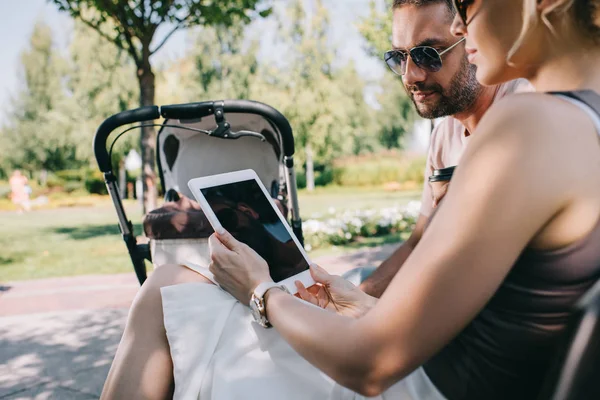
262	288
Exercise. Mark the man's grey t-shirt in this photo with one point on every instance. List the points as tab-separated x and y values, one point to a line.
449	140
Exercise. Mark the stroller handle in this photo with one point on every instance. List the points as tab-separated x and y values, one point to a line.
113	122
188	111
202	109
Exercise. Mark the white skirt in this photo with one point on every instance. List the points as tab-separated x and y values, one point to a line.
220	353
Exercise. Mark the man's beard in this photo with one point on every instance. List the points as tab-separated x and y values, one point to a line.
458	97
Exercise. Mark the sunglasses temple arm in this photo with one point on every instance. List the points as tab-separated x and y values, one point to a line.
453	46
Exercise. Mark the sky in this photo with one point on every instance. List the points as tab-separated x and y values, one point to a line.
18	17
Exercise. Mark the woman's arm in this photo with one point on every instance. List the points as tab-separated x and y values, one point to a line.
497	203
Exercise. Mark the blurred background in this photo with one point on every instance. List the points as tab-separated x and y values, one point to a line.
66	67
66	279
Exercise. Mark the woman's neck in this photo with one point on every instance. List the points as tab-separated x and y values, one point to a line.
568	70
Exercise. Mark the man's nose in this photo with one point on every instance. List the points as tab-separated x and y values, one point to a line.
413	74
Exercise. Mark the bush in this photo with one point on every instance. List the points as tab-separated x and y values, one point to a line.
71	175
324	177
94	182
73	186
379	169
4	190
54	181
300	180
346	227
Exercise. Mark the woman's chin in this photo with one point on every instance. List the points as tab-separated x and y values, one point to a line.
490	76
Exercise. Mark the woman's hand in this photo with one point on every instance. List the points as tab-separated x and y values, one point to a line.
237	268
336	294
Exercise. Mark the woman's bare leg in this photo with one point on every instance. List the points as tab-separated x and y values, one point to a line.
142	368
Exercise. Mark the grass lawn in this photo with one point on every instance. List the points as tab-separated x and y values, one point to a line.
86	240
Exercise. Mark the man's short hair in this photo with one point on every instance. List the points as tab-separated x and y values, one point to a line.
420	3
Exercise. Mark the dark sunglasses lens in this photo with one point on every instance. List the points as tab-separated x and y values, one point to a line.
427	58
461	8
396	61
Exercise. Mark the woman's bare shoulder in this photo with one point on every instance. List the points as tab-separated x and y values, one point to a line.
534	118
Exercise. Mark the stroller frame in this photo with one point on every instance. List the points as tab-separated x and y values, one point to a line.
191	111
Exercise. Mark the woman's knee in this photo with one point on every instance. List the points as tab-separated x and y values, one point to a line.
149	299
173	274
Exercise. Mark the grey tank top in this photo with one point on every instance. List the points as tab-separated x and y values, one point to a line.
505	352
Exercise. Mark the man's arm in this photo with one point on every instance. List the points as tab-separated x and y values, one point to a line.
376	284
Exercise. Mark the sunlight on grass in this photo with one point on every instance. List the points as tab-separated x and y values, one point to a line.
86	240
63	242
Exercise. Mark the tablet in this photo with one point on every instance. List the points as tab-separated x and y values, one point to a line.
238	202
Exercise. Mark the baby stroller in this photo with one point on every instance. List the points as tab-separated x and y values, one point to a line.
194	140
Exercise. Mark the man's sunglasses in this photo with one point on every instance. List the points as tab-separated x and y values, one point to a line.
424	57
461	8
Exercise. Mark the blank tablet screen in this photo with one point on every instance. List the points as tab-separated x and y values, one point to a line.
244	211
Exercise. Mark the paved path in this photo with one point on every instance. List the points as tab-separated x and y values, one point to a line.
58	336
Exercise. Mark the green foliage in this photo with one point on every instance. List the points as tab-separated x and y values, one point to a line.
64	99
222	64
94	182
70	175
396	115
101	82
39	134
377	30
131	25
324	104
4	190
380	169
323	177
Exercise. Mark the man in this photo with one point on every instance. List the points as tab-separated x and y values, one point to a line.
441	83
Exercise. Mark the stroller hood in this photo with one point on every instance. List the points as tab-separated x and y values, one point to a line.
187	154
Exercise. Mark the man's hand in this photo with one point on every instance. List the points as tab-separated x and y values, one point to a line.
438	191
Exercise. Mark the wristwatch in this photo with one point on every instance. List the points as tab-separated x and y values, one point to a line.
257	302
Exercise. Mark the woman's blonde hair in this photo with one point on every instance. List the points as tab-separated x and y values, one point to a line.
571	14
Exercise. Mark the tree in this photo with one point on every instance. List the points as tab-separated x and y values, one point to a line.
135	23
221	64
396	114
325	104
101	82
39	136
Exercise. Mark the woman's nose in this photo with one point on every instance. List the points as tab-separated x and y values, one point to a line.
458	27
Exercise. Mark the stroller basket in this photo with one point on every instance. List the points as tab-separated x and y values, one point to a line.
243	125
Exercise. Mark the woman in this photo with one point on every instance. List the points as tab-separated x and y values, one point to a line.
19	191
477	309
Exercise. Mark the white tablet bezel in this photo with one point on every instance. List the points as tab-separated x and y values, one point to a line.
197	184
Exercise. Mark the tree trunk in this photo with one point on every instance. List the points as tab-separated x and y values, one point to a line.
310	170
122	179
148	139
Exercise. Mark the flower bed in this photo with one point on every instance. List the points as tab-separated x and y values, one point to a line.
339	228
